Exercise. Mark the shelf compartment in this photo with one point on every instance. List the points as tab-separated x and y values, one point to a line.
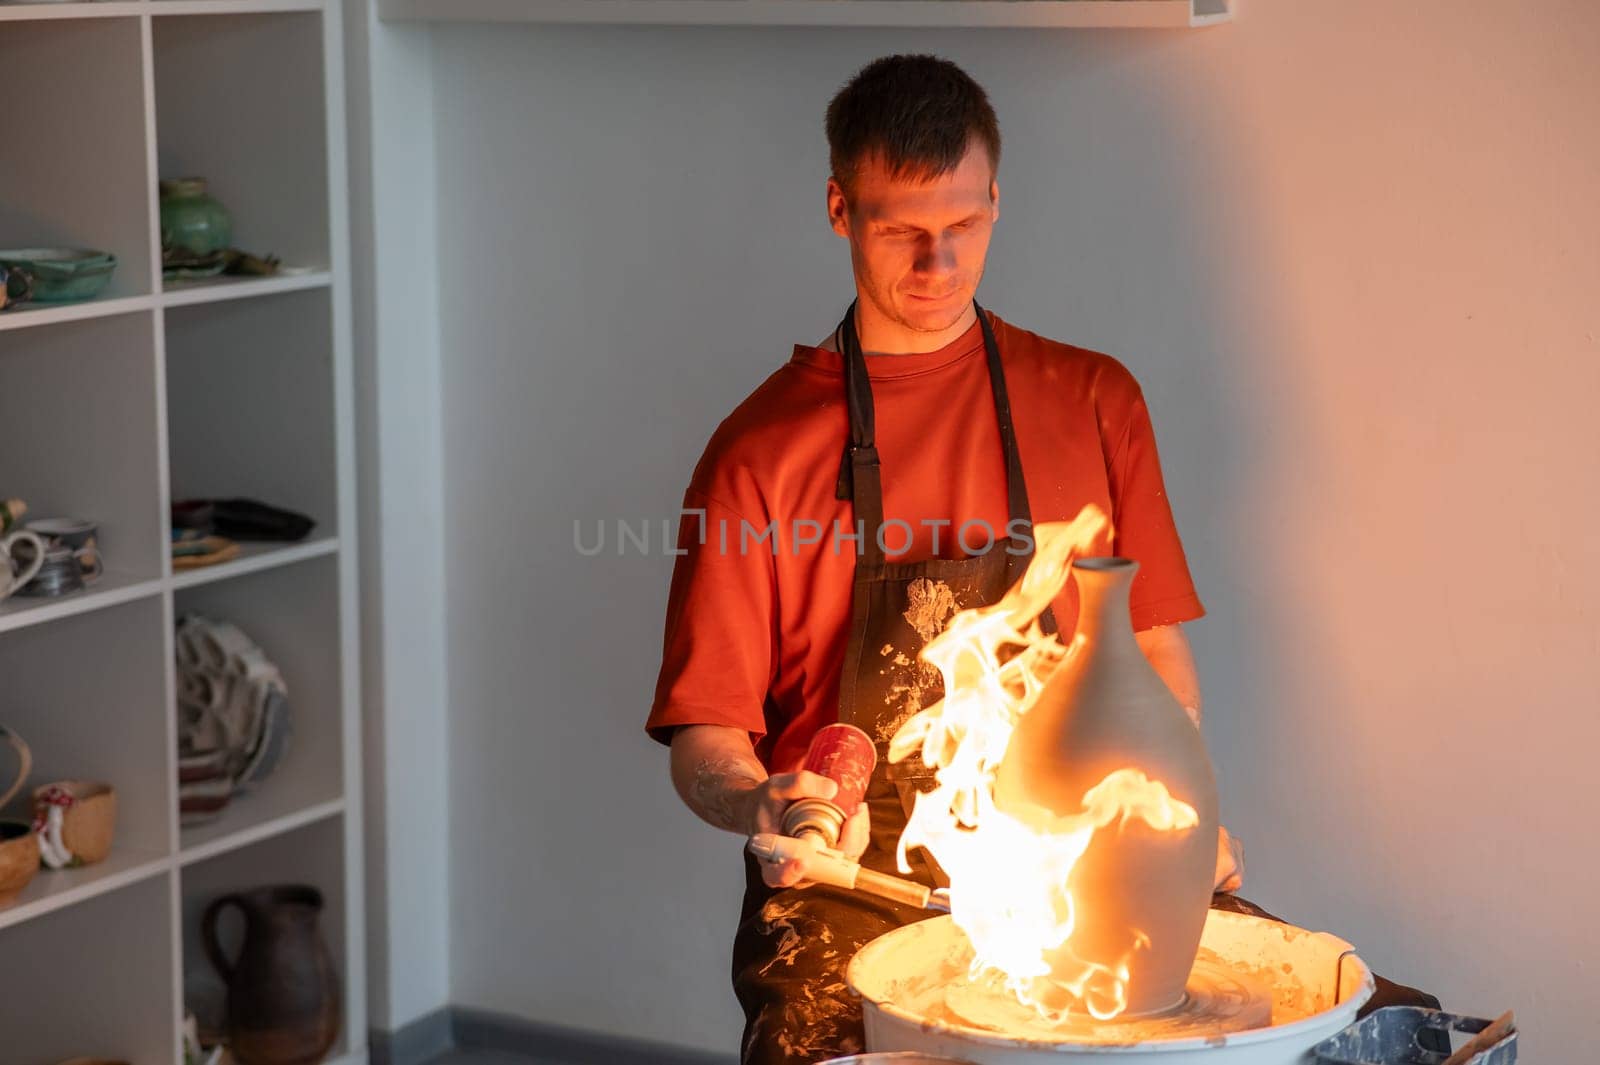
254	558
311	854
85	442
89	695
260	142
292	612
250	403
73	161
94	979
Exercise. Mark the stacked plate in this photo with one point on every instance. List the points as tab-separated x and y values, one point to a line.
233	716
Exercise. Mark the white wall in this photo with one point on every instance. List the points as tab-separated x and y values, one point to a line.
1350	250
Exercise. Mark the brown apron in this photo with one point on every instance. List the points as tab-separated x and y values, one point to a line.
793	944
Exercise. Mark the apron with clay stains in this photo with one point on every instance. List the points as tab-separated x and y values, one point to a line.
793	944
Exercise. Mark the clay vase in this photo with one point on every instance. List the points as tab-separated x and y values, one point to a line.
1106	709
283	993
191	221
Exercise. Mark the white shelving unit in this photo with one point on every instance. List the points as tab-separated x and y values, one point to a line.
112	408
994	14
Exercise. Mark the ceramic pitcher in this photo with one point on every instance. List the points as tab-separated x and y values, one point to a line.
283	992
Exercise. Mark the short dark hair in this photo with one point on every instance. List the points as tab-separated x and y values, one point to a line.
919	112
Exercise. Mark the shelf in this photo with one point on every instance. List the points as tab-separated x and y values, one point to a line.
12	12
230	7
214	290
997	14
252	819
219	387
53	889
112	589
56	12
253	558
34	314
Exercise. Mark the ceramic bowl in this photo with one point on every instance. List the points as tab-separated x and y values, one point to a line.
61	275
200	801
19	858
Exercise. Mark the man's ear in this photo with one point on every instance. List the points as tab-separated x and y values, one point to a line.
838	209
994	199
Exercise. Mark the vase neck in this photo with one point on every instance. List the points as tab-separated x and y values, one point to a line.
1103	588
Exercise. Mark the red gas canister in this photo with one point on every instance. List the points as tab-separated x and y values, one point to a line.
845	755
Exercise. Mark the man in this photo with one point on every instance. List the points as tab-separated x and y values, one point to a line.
881	480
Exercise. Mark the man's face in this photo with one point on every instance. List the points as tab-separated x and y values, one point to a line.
918	249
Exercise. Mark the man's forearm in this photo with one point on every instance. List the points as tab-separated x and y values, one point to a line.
1166	648
713	768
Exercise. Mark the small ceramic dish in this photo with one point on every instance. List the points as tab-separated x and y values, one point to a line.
74	532
62	275
19	858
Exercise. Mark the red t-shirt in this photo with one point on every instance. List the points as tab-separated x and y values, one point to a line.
756	628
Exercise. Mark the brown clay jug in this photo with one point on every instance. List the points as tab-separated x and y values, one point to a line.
283	993
1102	710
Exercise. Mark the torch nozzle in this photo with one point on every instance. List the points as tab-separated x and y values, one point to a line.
828	866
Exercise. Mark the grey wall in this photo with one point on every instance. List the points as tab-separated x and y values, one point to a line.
1349	249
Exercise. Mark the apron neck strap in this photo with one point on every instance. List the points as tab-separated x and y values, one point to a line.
863	421
859	473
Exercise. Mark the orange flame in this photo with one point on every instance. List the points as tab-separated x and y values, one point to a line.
1008	874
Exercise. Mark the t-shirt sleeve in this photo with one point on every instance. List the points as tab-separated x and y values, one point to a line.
717	647
1163	592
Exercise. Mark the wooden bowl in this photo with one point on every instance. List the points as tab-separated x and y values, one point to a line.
19	858
91	820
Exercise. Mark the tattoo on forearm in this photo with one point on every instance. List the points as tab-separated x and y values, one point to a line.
715	782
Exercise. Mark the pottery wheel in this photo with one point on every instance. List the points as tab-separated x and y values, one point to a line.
1216	1001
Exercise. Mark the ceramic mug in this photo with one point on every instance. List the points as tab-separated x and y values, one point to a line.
77	535
13	572
16	286
75	820
61	573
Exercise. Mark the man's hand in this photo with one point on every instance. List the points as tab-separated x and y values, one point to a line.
717	774
1230	862
852	842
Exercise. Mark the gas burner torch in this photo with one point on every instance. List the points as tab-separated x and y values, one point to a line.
811	827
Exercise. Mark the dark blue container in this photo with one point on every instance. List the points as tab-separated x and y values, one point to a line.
1409	1035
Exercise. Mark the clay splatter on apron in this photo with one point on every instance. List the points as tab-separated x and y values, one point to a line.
914	684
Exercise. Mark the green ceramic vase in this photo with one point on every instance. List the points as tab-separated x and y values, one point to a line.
191	220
